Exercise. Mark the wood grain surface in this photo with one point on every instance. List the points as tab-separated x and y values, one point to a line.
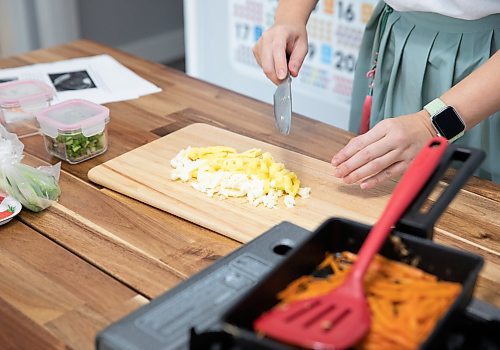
52	298
74	268
144	174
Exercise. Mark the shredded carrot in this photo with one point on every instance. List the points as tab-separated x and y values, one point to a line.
405	302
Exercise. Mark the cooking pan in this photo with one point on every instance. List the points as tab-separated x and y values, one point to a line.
337	234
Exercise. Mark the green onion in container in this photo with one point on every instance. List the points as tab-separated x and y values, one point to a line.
75	130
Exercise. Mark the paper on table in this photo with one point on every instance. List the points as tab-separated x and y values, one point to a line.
100	79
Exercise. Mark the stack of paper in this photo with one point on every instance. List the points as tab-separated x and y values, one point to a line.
100	79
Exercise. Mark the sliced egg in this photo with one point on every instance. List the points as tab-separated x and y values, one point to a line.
222	172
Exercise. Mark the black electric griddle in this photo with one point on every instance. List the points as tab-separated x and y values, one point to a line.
213	309
337	235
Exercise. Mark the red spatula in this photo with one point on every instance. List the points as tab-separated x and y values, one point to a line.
339	319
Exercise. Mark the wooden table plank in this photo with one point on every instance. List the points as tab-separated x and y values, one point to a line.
19	332
47	284
152	251
488	285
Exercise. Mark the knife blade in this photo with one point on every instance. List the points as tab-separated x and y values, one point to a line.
283	105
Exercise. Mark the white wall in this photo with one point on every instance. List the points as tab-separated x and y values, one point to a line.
57	21
152	29
28	24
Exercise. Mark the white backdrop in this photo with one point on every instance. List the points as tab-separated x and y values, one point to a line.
220	35
30	24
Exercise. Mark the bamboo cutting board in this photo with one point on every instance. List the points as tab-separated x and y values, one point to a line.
144	174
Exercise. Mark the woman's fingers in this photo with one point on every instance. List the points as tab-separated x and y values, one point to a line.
386	156
381	153
388	173
256	52
354	146
271	51
267	57
298	54
369	157
279	56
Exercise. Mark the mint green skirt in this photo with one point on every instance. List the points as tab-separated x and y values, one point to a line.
420	56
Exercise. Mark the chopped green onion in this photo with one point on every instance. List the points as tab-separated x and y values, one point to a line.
76	147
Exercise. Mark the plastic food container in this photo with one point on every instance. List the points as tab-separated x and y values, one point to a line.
19	102
75	130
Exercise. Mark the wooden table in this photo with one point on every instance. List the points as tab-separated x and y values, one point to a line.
94	256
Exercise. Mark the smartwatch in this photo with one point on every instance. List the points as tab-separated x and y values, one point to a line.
445	120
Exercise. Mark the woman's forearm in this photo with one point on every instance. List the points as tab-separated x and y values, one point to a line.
478	95
294	11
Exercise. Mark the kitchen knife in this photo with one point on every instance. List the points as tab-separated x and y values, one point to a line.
283	105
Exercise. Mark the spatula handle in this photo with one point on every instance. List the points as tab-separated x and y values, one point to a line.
414	179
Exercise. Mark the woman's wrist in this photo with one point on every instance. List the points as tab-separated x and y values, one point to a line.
294	12
425	119
291	19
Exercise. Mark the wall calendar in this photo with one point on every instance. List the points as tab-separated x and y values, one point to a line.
335	30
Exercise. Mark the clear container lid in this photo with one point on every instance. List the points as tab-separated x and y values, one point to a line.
71	116
23	92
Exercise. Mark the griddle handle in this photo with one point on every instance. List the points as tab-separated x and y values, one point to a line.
215	339
419	223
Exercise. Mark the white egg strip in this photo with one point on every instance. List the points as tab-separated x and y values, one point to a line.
226	184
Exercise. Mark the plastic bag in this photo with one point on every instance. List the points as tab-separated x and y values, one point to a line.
34	188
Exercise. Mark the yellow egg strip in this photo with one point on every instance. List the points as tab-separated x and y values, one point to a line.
222	171
250	162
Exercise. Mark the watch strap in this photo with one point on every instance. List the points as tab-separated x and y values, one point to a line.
453	139
435	106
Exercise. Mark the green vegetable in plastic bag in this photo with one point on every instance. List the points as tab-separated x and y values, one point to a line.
34	188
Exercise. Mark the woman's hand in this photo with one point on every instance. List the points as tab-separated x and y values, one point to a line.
273	46
385	151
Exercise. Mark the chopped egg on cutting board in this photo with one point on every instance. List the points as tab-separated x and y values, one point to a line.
222	172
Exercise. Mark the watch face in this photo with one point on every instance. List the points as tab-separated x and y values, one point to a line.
448	123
